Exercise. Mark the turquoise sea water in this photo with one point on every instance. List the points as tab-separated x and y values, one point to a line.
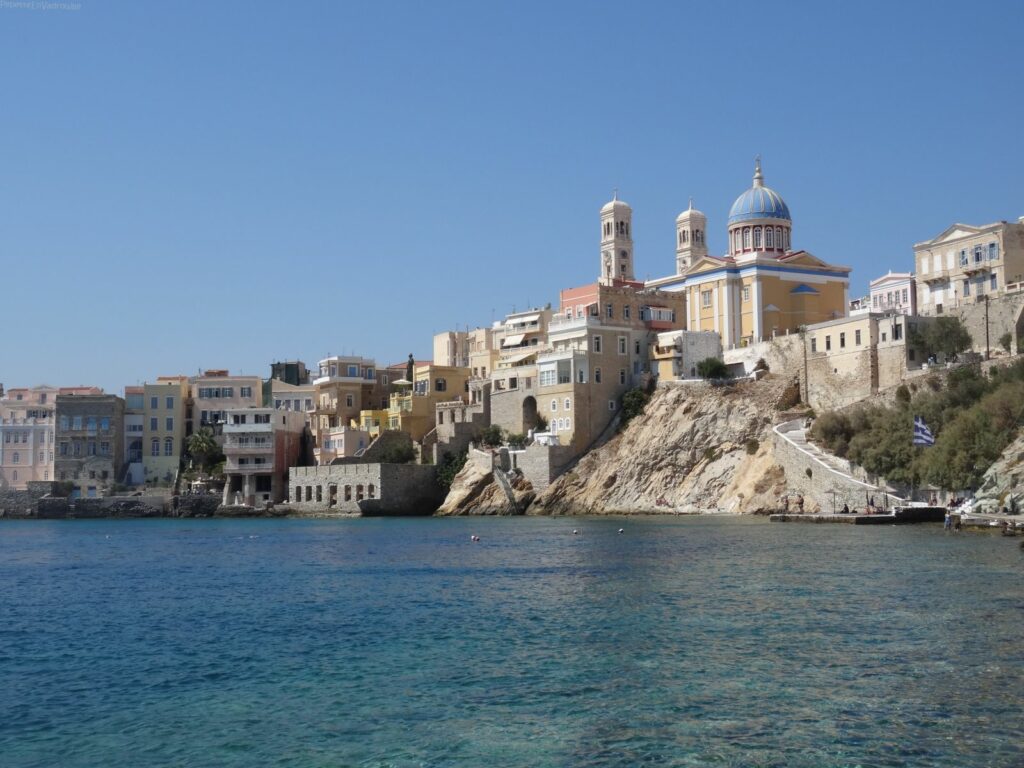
683	641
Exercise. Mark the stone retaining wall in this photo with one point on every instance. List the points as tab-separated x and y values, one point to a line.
365	489
816	482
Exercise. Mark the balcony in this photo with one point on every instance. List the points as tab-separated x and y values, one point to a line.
230	428
248	450
234	468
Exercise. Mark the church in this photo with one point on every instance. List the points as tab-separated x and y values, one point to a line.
762	288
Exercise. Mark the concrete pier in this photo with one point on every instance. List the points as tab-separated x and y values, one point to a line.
899	516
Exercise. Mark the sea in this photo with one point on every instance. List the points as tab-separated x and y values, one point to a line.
666	641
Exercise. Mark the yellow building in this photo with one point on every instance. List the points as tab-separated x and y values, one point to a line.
371	422
412	408
762	288
163	427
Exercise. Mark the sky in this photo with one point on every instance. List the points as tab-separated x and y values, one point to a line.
192	185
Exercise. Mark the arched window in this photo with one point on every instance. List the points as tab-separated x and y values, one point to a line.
169	446
769	237
757	237
785	236
14	477
554	406
370	491
736	245
746	237
154	447
568	423
567	404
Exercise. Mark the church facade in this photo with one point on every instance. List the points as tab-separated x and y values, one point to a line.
762	287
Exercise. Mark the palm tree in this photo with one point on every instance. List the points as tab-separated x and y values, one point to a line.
204	449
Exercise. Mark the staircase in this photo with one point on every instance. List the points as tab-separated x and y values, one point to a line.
506	485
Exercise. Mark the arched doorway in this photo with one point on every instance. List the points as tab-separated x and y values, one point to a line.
529	414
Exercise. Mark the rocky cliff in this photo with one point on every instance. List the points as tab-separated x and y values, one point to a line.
1004	481
694	449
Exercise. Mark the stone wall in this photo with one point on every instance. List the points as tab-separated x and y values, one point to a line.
540	464
507	408
23	503
365	489
1004	315
807	476
783	354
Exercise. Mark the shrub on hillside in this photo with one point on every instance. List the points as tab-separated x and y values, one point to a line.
712	368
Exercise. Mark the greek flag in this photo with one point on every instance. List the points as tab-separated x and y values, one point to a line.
922	435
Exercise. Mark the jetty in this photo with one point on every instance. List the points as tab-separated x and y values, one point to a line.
898	516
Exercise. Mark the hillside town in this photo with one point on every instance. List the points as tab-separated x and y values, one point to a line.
540	387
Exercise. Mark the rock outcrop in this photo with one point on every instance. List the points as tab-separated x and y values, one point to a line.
1003	483
475	492
694	449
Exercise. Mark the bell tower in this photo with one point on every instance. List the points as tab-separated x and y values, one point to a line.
691	231
616	241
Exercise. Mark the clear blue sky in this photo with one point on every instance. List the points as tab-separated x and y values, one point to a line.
222	184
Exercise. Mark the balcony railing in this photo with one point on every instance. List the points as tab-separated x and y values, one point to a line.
234	467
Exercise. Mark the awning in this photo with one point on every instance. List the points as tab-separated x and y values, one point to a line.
524	319
514	340
517	358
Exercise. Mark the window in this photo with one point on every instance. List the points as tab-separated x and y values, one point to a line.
842	341
243	391
15	458
967	287
597	375
905	295
609	310
874	301
154	403
353	371
993	251
153	421
625	312
746	293
611	405
736	245
597	344
547	378
169	402
92	447
622	375
105	424
168	447
636	347
349	401
978	252
76	422
262	418
769	237
63	449
104	449
170	423
622	345
963	257
757	237
554	406
856	337
566	405
993	283
705	299
154	447
64	423
828	343
746	237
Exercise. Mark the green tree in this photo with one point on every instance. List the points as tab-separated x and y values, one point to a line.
712	368
633	403
491	436
450	466
944	335
203	449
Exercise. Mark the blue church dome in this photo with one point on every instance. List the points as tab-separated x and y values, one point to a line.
759	202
